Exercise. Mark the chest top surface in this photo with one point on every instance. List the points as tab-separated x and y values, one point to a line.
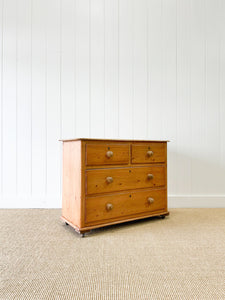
113	140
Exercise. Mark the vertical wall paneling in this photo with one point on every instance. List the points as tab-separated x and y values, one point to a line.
39	99
53	103
23	98
1	98
222	88
82	67
183	97
198	95
169	82
139	69
97	68
9	94
155	55
212	91
126	68
111	68
67	68
221	25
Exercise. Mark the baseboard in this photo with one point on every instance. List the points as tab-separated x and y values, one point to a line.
196	201
54	201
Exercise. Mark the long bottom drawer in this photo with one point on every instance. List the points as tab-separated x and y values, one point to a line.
117	205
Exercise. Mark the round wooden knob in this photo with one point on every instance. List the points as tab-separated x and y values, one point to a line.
150	200
109	206
109	154
150	176
109	179
149	153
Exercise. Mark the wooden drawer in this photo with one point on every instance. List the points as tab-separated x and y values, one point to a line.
148	153
118	179
107	154
124	204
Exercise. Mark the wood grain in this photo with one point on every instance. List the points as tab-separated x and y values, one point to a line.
124	204
71	194
139	153
96	154
124	179
111	140
98	193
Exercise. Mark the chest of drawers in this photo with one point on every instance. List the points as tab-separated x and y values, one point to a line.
113	181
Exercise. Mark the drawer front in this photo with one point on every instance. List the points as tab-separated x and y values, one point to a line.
107	154
148	153
124	204
118	179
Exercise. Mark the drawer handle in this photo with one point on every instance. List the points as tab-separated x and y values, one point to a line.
109	154
109	179
109	206
150	176
150	200
150	153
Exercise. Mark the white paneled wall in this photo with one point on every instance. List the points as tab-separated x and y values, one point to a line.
142	69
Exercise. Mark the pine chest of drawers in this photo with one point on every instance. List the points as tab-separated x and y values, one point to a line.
113	181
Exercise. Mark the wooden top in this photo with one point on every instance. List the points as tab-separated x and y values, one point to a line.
113	140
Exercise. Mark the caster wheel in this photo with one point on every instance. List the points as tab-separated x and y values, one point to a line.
82	235
66	224
162	217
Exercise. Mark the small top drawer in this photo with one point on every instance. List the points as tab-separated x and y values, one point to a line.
145	153
107	154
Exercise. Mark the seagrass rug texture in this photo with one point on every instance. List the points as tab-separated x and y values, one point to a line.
180	257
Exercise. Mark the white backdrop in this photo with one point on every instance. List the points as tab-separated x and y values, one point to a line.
115	69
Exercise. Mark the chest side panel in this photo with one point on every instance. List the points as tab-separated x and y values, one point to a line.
71	192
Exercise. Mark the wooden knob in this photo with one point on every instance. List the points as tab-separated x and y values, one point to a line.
150	176
109	179
109	206
149	153
109	154
150	200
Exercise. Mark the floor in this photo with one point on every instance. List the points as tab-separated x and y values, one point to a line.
180	257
